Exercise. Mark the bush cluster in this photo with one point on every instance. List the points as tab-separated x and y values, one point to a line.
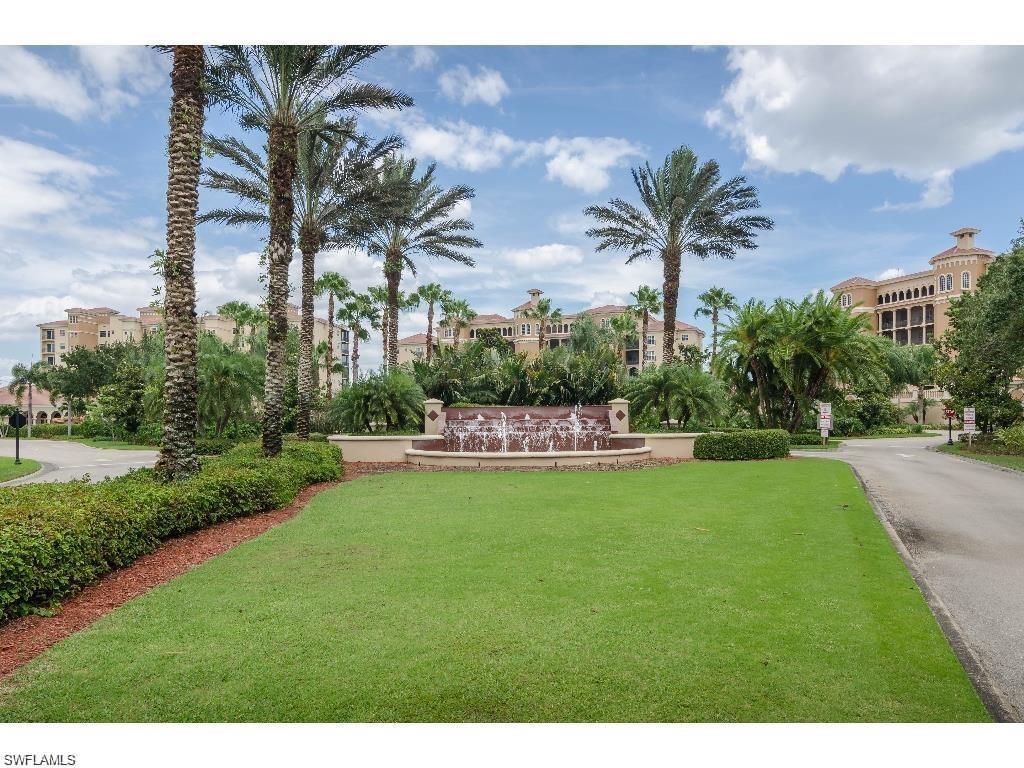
56	538
1012	439
805	438
742	445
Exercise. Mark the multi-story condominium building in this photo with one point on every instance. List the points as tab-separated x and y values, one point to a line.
97	326
522	332
911	309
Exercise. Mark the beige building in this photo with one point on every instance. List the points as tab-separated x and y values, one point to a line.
97	326
911	309
522	332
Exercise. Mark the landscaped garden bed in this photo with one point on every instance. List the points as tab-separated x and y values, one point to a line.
700	591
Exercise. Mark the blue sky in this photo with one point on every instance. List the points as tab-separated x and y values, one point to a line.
866	158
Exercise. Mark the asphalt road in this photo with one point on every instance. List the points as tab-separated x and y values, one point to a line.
962	523
63	460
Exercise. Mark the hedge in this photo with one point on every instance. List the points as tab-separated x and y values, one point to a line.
741	446
56	538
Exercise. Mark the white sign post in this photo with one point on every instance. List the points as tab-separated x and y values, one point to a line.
824	421
969	425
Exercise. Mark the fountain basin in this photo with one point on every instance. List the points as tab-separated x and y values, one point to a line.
441	458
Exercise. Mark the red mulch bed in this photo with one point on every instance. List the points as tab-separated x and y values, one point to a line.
22	639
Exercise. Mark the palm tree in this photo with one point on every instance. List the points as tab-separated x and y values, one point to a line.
240	312
417	219
434	295
713	301
543	314
337	288
178	458
686	209
360	315
457	315
914	366
379	297
287	91
624	328
331	176
648	302
25	378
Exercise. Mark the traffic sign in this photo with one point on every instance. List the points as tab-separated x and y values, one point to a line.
17	420
969	419
825	409
949	413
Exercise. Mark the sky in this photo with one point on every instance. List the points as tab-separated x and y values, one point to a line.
866	158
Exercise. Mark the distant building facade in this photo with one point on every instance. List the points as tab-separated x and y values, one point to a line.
97	326
522	332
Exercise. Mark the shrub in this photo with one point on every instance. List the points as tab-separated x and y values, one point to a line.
805	438
379	403
56	538
742	445
1012	439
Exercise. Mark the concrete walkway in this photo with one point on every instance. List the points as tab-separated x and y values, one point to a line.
64	460
962	525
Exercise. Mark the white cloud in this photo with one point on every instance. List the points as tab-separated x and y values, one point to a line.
462	210
543	256
921	113
486	86
890	273
108	79
583	162
422	57
36	181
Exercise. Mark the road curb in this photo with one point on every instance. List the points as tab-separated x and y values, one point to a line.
972	460
43	467
991	695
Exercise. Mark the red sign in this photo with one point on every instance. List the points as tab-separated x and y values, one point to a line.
950	413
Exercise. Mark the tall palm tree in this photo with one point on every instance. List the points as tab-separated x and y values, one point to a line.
337	288
379	296
178	458
434	295
648	302
359	314
686	209
417	219
914	366
712	302
25	379
624	328
330	183
543	313
286	91
457	315
240	312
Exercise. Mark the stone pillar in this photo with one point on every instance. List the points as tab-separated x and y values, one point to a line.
619	415
433	417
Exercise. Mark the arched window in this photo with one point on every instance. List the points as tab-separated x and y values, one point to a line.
949	282
931	290
881	299
965	281
917	293
942	283
901	295
844	300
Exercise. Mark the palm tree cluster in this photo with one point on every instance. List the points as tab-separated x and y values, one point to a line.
311	180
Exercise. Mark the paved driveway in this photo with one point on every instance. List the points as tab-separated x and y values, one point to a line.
962	523
63	460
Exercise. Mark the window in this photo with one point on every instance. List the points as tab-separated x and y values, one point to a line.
685	337
650	338
62	346
604	323
49	360
965	281
650	356
62	332
48	335
949	282
525	329
931	290
846	300
472	333
942	283
103	334
447	333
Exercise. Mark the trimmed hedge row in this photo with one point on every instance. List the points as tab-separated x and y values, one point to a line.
742	446
57	538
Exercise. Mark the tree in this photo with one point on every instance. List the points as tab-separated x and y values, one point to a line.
83	371
712	302
457	315
677	391
336	288
24	379
360	315
686	209
913	365
624	328
378	294
229	384
384	401
418	218
121	401
648	302
543	314
433	294
330	184
178	459
287	91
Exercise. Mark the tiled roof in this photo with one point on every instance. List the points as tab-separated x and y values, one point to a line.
492	319
604	309
53	322
852	281
39	396
956	251
416	338
524	305
659	325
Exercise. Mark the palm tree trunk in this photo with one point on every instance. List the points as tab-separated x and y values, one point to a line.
393	274
330	346
672	264
714	334
920	404
178	458
282	150
643	340
355	354
308	249
540	336
430	329
31	416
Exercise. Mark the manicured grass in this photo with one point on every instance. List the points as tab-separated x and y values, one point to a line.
93	442
701	591
1002	459
9	470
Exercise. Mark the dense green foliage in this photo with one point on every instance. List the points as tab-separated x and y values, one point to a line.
675	392
742	445
707	591
385	401
56	538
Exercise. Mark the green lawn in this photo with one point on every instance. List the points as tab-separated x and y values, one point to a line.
1002	459
701	591
9	470
99	443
